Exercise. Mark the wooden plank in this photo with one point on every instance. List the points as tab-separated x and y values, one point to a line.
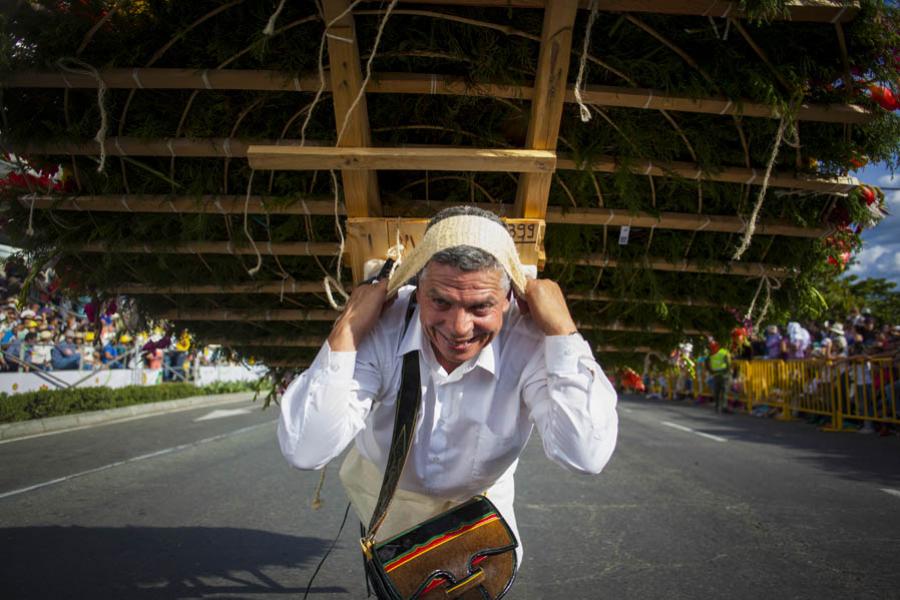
608	164
289	286
264	248
822	11
425	83
284	314
555	214
369	238
610	349
295	341
606	297
547	103
742	269
225	147
360	187
403	159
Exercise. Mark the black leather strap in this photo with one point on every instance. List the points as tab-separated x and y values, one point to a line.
409	398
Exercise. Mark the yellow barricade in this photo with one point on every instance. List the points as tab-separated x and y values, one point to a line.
857	389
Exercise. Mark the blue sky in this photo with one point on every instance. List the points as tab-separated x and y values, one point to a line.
880	254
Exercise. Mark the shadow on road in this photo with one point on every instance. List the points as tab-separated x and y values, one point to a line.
153	562
846	453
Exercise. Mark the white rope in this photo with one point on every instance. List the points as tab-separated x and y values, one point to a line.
330	281
751	226
365	82
82	68
30	230
270	26
585	113
205	78
137	79
255	269
339	38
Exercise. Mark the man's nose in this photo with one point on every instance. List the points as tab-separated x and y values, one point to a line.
460	323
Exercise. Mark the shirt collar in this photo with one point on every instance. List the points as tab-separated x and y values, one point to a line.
415	339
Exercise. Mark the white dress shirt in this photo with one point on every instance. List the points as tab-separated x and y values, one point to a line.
474	422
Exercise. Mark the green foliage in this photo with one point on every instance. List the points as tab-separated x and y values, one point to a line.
53	403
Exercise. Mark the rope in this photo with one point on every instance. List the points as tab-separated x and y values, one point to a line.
330	548
330	281
30	230
365	82
751	225
316	503
585	113
270	26
255	269
85	69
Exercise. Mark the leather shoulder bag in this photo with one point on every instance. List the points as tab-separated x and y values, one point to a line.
467	552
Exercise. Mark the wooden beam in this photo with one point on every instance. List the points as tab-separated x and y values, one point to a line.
555	214
606	297
295	341
289	286
284	314
742	269
822	11
651	328
264	248
234	148
405	159
286	363
360	186
425	83
742	175
609	349
547	103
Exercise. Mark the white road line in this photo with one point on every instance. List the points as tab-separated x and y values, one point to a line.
133	460
694	431
891	492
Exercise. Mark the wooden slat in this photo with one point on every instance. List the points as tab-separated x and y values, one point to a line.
284	314
651	328
224	147
547	103
296	341
264	248
610	349
290	286
360	187
821	11
743	269
608	164
606	297
425	83
555	214
403	159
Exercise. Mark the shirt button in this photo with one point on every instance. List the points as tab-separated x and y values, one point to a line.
435	459
334	367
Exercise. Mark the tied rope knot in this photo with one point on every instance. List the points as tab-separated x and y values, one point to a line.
770	283
579	81
79	67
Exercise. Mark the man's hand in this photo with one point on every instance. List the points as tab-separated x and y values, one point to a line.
545	302
359	317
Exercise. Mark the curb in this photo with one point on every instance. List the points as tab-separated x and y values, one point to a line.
34	427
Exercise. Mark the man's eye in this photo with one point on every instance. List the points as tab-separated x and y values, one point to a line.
441	303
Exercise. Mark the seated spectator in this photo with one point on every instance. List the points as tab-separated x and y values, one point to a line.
108	354
65	355
41	355
773	342
87	350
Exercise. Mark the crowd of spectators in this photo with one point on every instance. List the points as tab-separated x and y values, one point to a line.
860	334
52	332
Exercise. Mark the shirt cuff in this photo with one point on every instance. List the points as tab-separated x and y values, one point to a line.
340	365
562	353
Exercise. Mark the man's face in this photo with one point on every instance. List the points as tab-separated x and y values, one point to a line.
461	312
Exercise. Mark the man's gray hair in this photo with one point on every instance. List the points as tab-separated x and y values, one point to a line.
467	258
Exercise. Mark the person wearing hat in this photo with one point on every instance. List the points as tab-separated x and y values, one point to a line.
495	363
41	355
720	368
87	350
835	345
109	352
65	355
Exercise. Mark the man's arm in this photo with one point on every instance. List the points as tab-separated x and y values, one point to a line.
570	399
324	408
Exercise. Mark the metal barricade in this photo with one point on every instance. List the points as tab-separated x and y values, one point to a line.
855	390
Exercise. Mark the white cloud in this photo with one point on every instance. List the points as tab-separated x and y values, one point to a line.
868	260
888	180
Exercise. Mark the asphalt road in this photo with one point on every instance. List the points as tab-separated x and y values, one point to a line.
693	505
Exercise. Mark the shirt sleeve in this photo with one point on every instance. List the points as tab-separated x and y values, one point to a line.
572	403
324	408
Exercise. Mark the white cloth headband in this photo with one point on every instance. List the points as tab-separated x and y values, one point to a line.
462	230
